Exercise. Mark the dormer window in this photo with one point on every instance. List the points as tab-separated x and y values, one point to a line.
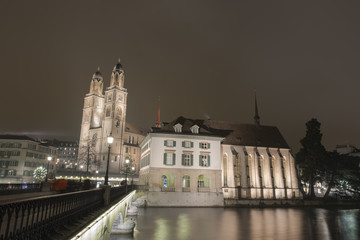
178	128
195	129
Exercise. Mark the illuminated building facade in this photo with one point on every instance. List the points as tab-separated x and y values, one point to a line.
104	113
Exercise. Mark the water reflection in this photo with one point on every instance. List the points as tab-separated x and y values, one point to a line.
244	223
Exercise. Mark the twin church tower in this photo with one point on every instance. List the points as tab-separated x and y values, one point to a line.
103	114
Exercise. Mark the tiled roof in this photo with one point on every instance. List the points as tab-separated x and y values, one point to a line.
17	137
234	134
131	128
249	134
186	125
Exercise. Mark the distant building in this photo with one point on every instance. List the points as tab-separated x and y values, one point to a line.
21	155
348	149
133	136
104	114
67	154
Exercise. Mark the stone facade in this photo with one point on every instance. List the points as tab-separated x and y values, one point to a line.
104	114
256	162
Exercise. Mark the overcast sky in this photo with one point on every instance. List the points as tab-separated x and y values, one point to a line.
204	58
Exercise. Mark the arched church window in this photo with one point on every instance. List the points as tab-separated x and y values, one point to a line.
225	169
108	111
94	139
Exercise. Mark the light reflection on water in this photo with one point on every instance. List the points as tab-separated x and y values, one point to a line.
246	223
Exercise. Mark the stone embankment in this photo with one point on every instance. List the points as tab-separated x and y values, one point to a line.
290	203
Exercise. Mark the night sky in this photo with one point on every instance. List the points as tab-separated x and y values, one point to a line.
203	58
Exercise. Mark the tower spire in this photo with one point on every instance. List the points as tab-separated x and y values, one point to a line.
256	117
158	122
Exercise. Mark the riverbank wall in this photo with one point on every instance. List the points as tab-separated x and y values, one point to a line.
290	203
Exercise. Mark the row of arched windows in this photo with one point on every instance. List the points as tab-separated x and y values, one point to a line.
168	181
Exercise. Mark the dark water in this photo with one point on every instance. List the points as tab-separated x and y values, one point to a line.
244	223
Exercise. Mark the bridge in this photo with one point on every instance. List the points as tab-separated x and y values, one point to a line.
78	215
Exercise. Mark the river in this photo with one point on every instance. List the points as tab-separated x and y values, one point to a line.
245	223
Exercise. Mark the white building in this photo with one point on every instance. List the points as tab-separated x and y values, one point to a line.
233	161
104	114
181	165
21	155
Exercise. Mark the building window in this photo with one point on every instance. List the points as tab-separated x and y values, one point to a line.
203	181
204	145
126	150
169	158
178	128
204	160
186	181
195	129
187	144
13	163
12	173
169	143
187	159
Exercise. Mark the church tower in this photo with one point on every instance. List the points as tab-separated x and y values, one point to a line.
115	116
103	115
93	112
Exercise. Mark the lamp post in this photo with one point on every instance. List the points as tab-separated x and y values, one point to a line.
132	178
110	140
47	170
126	173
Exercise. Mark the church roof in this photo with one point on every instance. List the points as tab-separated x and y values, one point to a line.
131	128
249	134
118	67
97	75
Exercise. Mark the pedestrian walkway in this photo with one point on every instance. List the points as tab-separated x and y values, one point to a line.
4	199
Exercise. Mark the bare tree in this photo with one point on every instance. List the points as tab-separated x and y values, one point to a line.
87	156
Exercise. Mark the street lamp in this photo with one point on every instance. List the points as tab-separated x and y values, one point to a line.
47	170
126	173
110	140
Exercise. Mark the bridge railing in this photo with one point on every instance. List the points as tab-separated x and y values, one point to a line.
35	219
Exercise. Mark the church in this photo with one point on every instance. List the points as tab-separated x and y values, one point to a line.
104	115
191	162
